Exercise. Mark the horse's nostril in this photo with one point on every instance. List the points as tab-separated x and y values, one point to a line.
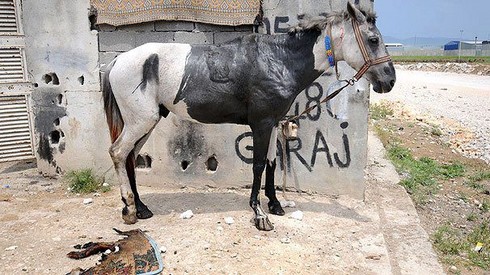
392	83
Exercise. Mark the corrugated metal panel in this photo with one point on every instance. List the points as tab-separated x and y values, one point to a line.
11	65
8	20
15	131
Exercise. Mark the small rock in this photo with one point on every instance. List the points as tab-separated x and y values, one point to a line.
290	204
285	240
453	268
96	194
229	220
107	252
374	257
163	249
105	184
187	215
88	201
11	248
297	215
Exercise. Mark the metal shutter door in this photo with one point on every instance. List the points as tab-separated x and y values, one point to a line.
15	129
11	65
8	22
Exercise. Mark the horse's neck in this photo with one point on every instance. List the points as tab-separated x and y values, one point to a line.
303	58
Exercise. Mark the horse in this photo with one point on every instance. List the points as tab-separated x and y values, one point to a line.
252	80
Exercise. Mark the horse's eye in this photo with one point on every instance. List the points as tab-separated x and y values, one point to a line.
374	40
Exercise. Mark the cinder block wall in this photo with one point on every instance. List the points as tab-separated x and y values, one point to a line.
114	40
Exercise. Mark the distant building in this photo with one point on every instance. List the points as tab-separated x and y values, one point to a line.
477	48
465	45
394	48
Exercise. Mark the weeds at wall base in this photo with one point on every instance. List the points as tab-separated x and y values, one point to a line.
85	181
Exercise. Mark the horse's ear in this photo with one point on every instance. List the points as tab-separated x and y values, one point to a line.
355	14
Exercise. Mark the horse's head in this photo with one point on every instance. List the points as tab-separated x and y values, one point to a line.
364	51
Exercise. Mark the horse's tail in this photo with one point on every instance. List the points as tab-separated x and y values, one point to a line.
114	119
112	112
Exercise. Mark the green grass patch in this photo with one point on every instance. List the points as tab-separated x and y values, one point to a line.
474	181
456	246
467	59
379	111
436	131
85	181
421	175
480	176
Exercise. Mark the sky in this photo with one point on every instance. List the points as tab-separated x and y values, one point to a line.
434	18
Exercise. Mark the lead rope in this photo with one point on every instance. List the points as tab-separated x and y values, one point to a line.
284	163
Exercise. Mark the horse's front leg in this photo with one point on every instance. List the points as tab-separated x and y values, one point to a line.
261	137
270	190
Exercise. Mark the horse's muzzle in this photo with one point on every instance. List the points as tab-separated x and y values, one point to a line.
384	86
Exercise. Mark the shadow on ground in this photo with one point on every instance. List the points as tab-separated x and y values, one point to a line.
18	166
165	203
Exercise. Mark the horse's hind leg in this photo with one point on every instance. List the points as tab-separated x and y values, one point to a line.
142	211
270	190
122	153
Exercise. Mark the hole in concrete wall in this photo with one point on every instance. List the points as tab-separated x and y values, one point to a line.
143	161
54	137
47	78
212	164
56	81
140	162
92	18
184	165
35	85
81	79
62	134
56	122
51	78
59	99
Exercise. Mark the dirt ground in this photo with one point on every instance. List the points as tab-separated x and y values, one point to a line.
445	116
43	221
40	222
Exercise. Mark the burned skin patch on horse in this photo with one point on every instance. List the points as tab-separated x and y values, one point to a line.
219	63
150	71
248	78
212	87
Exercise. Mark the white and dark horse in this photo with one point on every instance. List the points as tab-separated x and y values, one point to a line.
252	80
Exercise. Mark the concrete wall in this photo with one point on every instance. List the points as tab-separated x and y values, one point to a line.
62	61
329	155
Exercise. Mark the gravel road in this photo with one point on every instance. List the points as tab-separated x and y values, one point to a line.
443	97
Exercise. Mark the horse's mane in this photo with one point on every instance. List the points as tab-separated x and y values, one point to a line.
320	22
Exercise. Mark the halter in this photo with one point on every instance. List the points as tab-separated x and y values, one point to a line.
368	62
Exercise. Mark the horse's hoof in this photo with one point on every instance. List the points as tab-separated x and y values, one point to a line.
144	213
263	223
127	217
276	209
